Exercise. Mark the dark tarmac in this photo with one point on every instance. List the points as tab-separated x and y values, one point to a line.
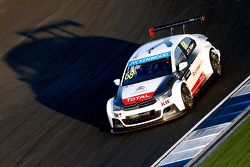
58	62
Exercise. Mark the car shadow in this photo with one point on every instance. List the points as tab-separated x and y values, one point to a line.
70	74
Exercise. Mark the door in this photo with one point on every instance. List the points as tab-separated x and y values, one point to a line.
192	74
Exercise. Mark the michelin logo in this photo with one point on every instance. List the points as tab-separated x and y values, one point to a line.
149	59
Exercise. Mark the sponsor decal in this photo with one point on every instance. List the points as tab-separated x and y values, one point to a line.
197	69
165	102
149	59
201	80
138	98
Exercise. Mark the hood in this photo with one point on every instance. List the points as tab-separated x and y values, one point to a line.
139	92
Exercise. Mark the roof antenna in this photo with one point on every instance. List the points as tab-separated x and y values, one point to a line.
183	28
149	51
171	30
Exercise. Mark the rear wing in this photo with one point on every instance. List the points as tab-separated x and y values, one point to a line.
170	26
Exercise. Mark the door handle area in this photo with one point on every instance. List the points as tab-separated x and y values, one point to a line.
187	74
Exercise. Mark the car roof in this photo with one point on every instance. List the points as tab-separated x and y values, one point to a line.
157	47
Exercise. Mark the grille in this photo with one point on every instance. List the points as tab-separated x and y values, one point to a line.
142	117
139	104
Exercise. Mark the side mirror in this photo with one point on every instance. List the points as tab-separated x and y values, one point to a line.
117	82
182	65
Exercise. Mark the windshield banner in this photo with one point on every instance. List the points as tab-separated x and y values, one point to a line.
149	59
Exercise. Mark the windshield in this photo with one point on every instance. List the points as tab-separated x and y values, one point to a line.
147	71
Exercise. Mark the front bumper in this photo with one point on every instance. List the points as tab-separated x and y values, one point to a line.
138	127
156	117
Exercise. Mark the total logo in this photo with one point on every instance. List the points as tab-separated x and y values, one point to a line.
138	98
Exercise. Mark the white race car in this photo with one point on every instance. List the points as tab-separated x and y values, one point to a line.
160	81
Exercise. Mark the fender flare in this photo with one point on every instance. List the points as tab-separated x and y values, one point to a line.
109	109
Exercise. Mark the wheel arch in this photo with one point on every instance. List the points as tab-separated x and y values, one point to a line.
109	109
176	94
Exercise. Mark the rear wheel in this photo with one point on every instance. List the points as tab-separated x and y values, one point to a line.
215	62
186	97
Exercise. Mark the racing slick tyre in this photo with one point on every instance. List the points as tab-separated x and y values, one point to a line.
215	63
186	97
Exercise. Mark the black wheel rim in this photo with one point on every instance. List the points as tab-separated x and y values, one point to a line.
216	63
187	98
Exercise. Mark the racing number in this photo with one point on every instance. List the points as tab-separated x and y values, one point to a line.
129	75
132	72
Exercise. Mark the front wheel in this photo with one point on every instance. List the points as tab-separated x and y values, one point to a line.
186	97
215	62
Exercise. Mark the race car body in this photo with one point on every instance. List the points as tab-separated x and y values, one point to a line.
160	81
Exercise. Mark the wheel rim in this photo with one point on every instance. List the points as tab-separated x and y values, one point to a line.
187	98
215	63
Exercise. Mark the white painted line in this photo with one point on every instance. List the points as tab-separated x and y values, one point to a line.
242	91
187	150
167	163
200	138
193	144
245	89
172	158
206	131
215	108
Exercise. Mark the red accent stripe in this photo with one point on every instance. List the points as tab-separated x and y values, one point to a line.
199	83
138	98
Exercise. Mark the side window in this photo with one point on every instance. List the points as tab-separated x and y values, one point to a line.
179	56
187	45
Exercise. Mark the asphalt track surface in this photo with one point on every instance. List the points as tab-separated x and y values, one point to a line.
58	62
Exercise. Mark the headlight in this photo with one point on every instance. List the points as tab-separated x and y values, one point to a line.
165	95
116	108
